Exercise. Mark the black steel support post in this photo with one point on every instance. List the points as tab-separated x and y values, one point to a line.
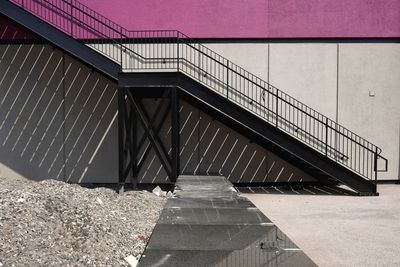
121	139
175	140
134	148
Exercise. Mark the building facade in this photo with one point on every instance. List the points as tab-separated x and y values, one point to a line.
342	58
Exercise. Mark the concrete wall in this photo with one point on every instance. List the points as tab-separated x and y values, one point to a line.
57	117
335	79
52	127
58	121
369	96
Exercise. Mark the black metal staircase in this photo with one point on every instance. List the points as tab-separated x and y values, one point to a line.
158	60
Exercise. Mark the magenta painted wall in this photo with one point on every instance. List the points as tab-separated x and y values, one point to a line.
249	18
257	18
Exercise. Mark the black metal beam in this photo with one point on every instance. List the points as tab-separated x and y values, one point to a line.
121	139
134	149
175	140
248	124
153	119
153	138
60	39
157	131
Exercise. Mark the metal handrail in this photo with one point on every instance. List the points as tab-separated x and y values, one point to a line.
234	71
90	25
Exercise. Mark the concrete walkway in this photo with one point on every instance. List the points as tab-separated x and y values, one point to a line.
339	230
209	224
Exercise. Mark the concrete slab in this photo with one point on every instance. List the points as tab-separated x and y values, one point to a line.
213	216
208	224
179	258
219	203
339	230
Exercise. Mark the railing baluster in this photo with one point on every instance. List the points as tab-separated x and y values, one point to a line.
376	164
276	108
72	19
227	79
326	137
121	52
177	51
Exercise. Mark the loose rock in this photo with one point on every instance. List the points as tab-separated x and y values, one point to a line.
52	223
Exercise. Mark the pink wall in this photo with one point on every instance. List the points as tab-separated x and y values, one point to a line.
257	18
249	18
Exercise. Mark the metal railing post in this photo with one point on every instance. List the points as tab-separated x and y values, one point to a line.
227	79
326	137
121	52
276	108
376	164
177	51
72	19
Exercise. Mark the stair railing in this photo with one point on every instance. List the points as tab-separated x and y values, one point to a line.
170	50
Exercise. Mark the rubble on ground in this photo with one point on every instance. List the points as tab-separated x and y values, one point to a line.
52	223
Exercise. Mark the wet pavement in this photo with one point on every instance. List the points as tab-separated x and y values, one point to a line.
209	224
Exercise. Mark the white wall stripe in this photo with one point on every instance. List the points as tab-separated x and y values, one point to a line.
148	167
216	154
184	124
169	129
28	99
205	152
190	136
72	127
258	168
268	172
46	109
277	177
6	72
62	123
91	137
4	53
234	166
103	137
49	124
247	165
197	145
65	117
38	101
81	133
229	153
12	84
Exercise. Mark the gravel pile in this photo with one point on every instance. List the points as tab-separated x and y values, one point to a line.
52	223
